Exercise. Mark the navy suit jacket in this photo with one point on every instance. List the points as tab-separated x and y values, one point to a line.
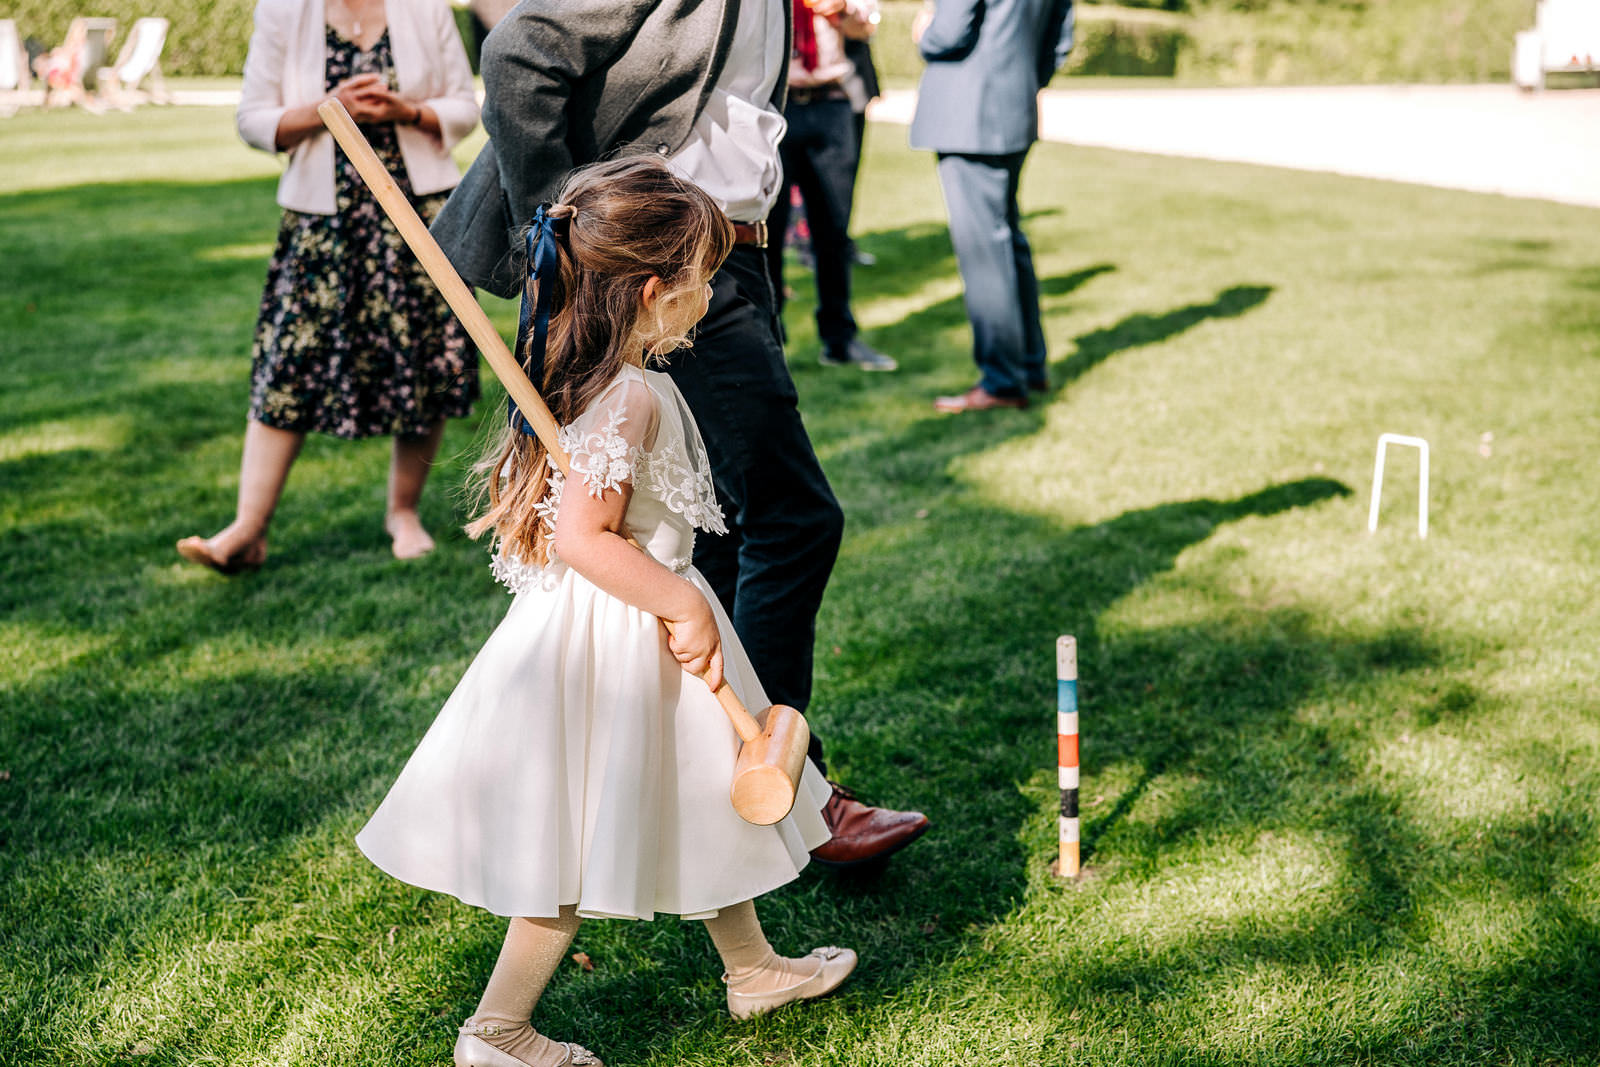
987	61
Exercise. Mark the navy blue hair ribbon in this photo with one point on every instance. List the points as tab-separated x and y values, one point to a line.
544	254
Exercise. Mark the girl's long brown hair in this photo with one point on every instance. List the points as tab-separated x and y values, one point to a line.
629	220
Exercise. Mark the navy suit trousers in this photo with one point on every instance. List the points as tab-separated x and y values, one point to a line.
784	524
820	153
996	264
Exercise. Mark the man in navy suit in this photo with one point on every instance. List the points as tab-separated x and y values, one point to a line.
978	109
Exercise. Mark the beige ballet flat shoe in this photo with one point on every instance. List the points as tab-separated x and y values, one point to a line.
837	963
473	1051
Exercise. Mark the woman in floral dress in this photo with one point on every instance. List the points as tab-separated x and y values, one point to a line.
353	339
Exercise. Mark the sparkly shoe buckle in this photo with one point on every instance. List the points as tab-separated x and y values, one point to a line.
482	1029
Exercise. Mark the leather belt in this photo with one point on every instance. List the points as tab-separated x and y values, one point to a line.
812	94
750	233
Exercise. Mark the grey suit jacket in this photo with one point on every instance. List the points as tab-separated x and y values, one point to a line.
568	82
987	61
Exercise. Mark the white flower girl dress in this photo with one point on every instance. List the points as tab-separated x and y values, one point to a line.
576	762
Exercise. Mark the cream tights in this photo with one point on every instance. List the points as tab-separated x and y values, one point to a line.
751	964
534	949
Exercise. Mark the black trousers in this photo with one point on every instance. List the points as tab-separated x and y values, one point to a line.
784	524
820	153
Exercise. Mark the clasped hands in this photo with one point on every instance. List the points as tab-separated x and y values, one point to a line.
370	101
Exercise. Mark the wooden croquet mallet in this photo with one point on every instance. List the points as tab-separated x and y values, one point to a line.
773	754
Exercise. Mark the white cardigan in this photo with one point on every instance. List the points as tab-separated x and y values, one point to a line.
286	67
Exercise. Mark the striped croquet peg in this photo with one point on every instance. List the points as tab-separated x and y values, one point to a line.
1067	752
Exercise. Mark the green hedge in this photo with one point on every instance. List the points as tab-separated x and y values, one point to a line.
1109	40
1354	41
1242	42
1270	42
207	37
1126	41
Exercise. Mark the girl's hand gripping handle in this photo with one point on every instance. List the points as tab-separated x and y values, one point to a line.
697	645
692	634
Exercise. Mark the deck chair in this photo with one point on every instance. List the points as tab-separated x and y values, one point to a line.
15	79
139	61
71	71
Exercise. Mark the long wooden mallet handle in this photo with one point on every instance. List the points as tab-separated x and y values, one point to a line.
456	292
461	300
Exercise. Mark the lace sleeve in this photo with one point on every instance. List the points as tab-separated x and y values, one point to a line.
677	470
606	441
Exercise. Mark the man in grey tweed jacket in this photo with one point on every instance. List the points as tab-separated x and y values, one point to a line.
701	83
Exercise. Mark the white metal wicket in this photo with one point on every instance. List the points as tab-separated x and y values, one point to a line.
1384	441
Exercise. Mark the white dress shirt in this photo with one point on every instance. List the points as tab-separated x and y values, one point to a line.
732	150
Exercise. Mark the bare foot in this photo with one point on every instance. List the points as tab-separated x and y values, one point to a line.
410	539
231	551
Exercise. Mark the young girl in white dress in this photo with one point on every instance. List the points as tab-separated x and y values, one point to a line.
577	770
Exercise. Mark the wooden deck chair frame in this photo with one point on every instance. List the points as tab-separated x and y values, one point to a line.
16	79
138	63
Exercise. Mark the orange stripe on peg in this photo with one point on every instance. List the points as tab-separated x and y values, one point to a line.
1067	753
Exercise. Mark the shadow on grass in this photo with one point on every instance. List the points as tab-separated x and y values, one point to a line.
1142	329
1062	284
912	257
908	257
908	336
1483	1007
908	260
1579	313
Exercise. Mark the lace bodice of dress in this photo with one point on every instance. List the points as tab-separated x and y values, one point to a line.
637	432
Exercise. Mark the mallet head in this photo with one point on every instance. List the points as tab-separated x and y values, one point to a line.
767	774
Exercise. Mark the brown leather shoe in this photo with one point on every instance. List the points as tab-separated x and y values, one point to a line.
978	399
862	834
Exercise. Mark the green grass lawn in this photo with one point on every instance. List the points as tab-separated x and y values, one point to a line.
1339	790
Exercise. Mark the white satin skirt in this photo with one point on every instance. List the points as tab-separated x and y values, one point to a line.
576	763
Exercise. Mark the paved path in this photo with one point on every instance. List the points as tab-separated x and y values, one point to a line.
1483	138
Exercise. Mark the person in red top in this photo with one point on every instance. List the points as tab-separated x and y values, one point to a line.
820	152
61	68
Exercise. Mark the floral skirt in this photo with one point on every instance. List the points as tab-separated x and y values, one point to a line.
354	339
